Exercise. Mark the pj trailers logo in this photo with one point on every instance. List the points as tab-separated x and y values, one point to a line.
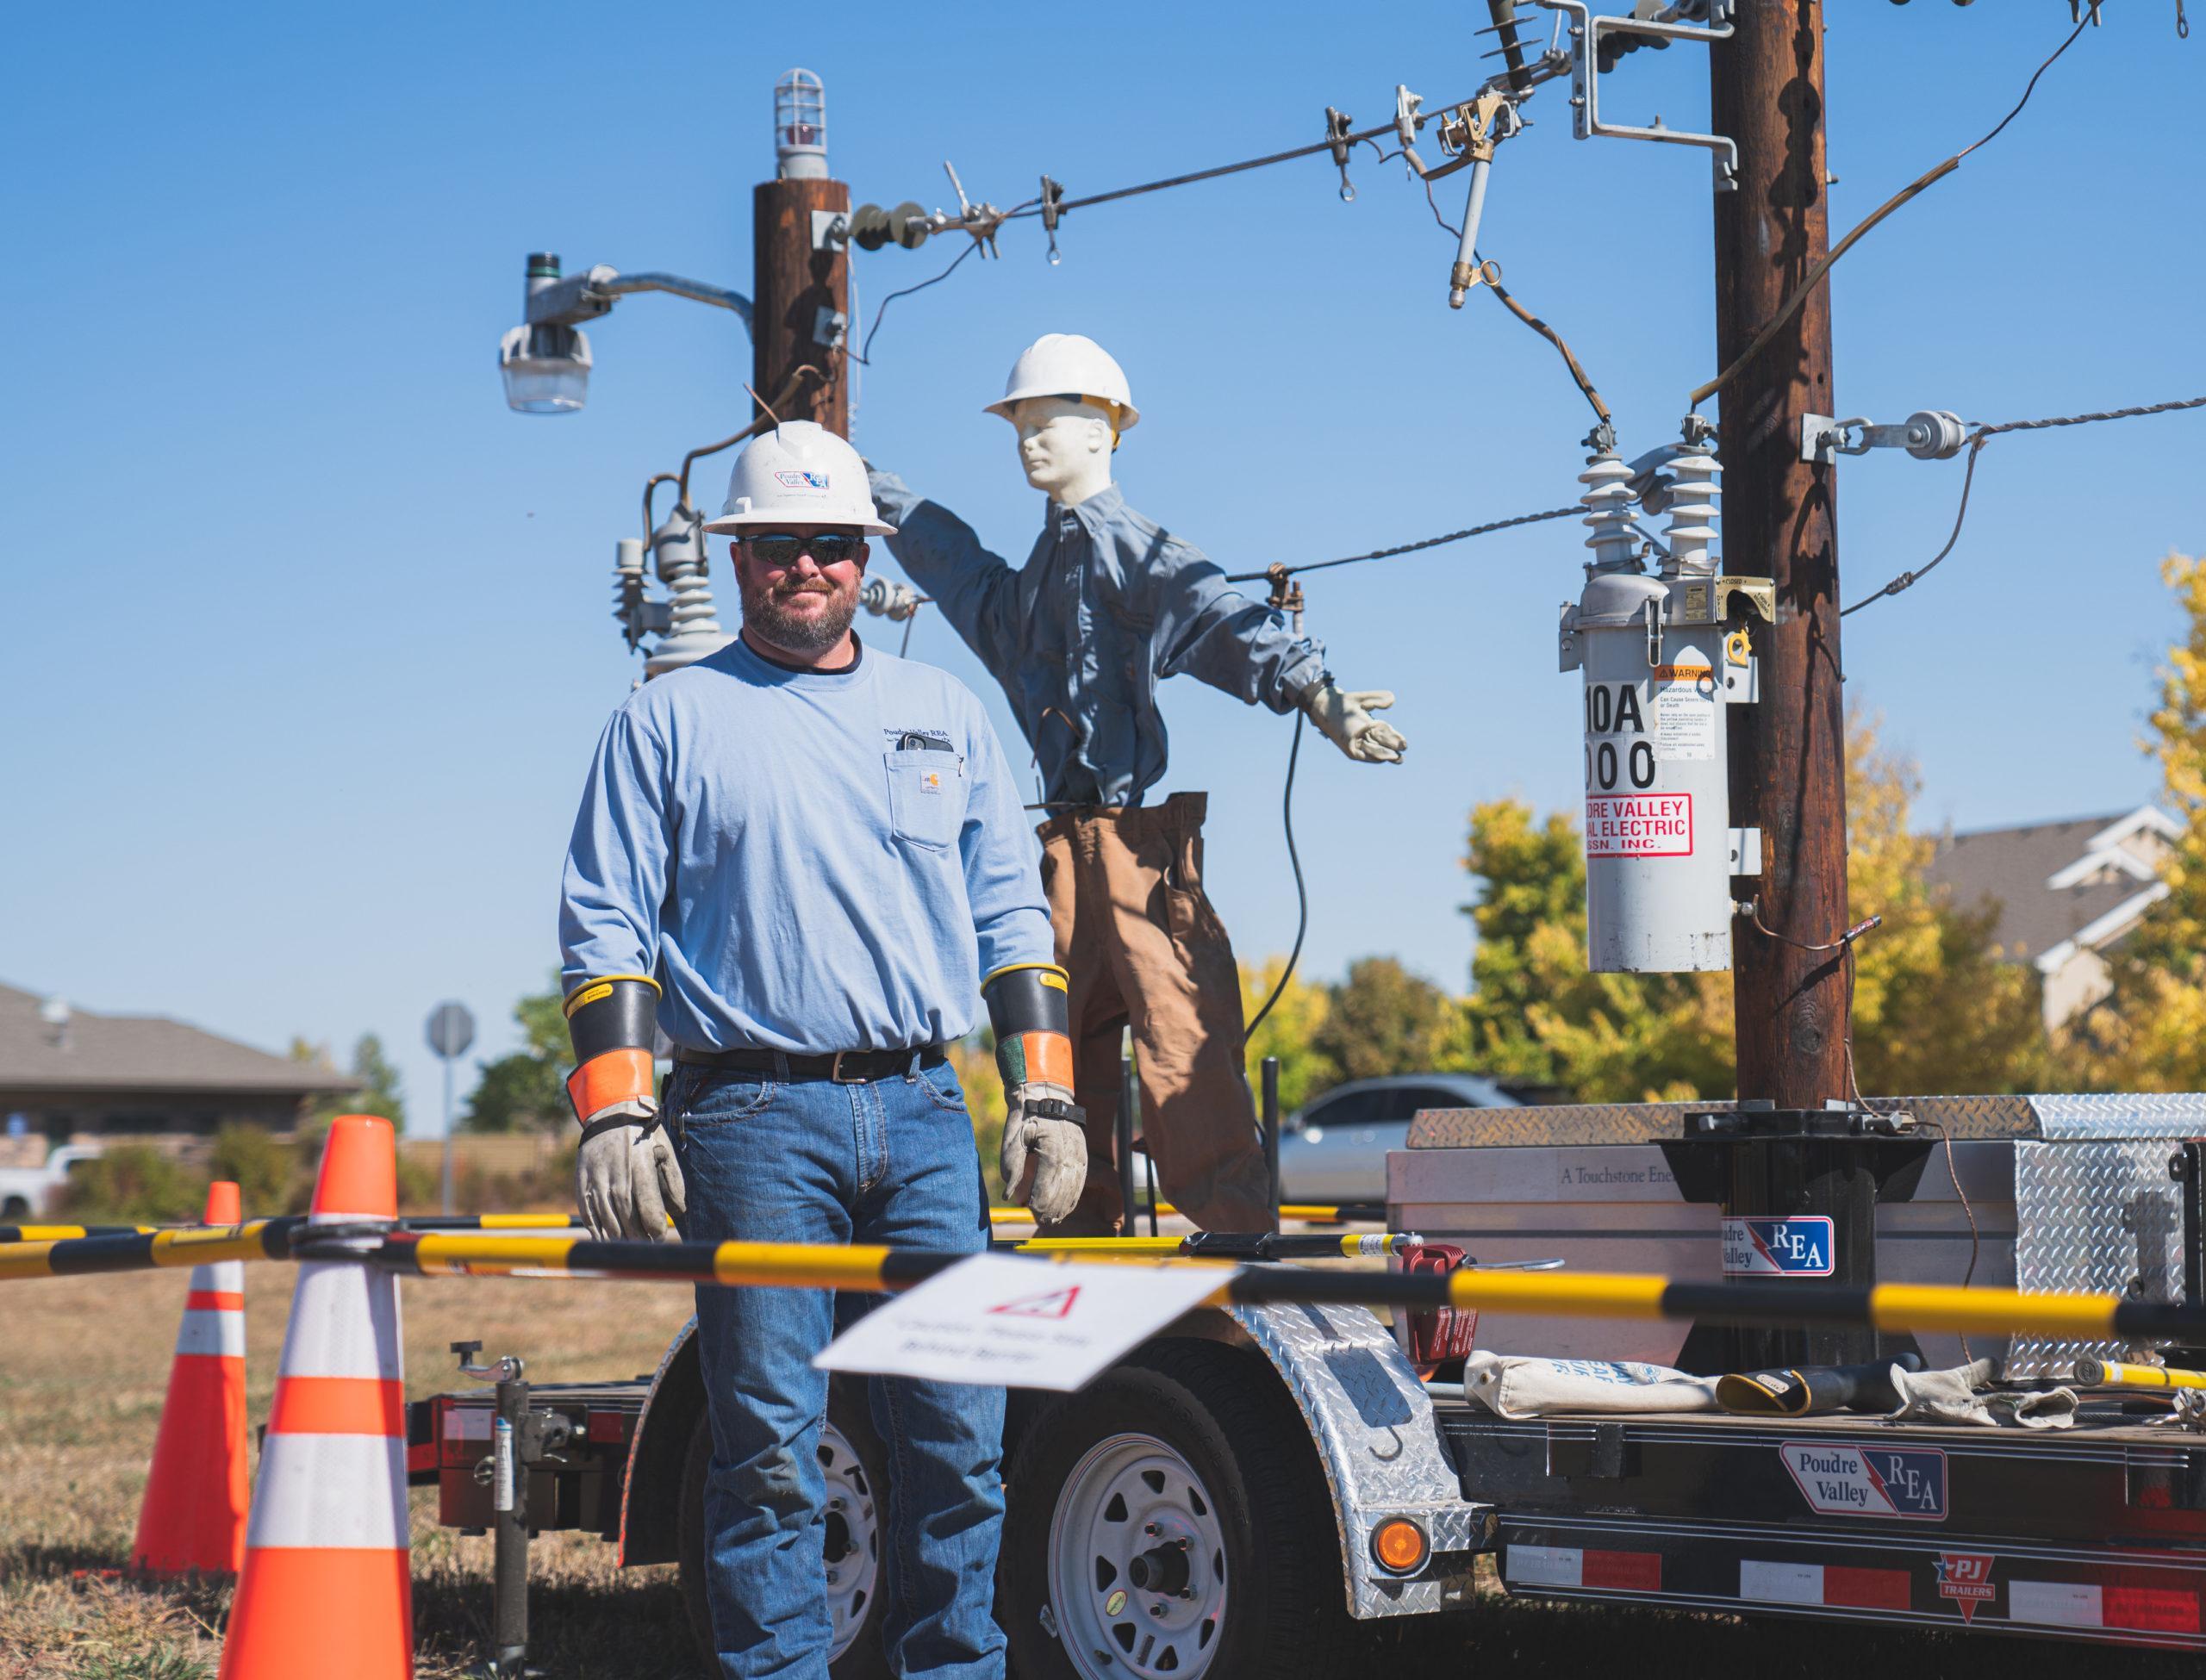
1965	1578
1840	1480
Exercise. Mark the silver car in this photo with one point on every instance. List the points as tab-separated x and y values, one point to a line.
1334	1148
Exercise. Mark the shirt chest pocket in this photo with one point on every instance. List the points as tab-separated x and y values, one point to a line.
926	797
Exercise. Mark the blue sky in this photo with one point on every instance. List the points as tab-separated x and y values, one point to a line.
306	639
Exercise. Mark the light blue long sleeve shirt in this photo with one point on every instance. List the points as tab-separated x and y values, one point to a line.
804	862
1108	605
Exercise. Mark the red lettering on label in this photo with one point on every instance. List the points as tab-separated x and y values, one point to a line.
1639	826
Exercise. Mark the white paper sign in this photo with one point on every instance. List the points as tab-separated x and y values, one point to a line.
1000	1319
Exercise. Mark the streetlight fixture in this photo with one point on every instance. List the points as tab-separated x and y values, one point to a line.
546	360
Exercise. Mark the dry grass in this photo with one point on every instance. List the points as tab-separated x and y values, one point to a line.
81	1384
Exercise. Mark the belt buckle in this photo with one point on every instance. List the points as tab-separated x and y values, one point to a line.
835	1068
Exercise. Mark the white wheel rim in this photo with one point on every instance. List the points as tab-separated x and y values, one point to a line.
1131	1497
851	1523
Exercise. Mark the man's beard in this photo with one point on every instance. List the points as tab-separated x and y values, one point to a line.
763	611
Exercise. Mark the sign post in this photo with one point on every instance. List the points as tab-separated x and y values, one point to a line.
452	1029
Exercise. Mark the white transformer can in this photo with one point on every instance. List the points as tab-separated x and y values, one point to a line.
1660	672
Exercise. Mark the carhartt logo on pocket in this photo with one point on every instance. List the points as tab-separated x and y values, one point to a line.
931	781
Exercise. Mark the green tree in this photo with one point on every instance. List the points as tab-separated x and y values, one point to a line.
1934	1009
1382	1019
1289	1032
134	1183
380	1089
262	1168
527	1088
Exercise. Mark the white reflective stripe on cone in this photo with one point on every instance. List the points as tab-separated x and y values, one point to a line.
226	1277
218	1334
330	1491
343	1323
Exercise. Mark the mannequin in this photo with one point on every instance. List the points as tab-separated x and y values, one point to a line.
1108	605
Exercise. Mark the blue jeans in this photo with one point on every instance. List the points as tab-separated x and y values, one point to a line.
891	1161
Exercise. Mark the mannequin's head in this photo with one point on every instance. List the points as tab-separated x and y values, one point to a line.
1065	444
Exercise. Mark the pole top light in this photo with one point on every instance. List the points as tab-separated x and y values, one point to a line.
800	127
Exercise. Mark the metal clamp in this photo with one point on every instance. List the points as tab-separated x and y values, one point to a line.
1586	81
1927	434
1337	124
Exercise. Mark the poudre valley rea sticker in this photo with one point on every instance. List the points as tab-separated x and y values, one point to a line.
1840	1480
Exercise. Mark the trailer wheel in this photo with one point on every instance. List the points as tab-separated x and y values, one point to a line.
1171	1518
15	1209
858	1509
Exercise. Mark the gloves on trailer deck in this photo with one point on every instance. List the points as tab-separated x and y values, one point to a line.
1044	1159
626	1181
1347	722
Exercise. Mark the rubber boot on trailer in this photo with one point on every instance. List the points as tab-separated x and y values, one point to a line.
193	1519
325	1589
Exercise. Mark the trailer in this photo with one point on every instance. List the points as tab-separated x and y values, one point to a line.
1254	1490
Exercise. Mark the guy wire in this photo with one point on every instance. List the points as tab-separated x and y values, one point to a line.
1786	310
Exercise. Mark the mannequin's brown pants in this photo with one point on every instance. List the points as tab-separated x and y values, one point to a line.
1137	934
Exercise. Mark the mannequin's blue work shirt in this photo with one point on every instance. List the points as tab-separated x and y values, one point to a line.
1108	605
805	862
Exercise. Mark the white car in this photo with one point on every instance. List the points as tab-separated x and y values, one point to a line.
24	1191
1334	1148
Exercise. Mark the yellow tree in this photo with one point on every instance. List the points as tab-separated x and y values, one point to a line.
2150	1034
1935	1011
1289	1032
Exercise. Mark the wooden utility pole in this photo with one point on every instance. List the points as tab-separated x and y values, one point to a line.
1788	754
797	294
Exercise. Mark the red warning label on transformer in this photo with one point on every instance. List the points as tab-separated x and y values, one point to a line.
1639	826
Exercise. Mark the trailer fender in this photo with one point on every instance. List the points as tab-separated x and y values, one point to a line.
650	1502
1372	1425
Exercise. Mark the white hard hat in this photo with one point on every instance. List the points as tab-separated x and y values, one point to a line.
1066	364
800	473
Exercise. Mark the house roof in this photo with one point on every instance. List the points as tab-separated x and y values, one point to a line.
2055	882
139	1052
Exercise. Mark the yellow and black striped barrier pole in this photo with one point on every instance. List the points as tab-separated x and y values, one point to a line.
60	1233
65	1251
129	1250
1583	1295
1325	1212
1586	1295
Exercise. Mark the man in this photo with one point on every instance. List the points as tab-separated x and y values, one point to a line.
1108	605
800	856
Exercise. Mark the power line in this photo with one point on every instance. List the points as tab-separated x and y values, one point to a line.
1325	145
1800	293
1412	548
1983	435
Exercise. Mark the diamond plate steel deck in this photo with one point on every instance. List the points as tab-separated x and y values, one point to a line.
2102	1216
2097	1115
1372	1422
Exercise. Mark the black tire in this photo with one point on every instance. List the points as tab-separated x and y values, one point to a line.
15	1210
1222	1412
864	1657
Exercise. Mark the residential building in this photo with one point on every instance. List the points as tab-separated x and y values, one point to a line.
2067	892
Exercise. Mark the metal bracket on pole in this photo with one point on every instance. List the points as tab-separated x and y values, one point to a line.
587	295
1927	434
1585	50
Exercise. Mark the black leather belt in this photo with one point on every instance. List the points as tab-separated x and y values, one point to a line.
844	1067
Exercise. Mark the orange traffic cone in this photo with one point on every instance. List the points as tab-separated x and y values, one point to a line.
193	1519
325	1589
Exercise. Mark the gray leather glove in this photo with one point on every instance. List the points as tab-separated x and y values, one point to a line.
626	1182
1044	1158
1347	722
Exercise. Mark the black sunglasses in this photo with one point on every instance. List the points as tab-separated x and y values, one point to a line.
780	551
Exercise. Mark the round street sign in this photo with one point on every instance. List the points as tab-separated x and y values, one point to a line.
452	1029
